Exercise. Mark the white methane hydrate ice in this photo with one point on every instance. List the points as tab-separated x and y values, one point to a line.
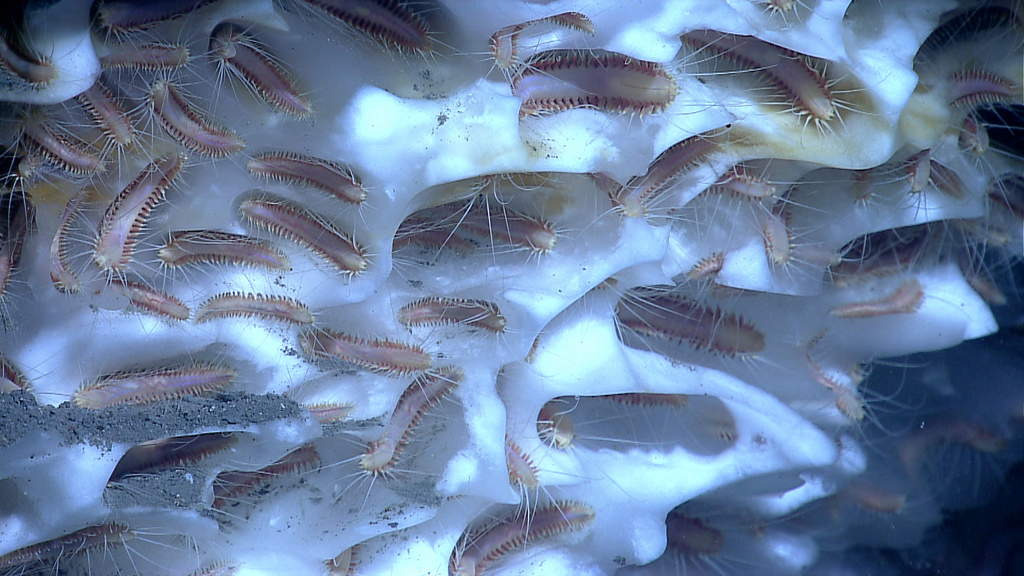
470	287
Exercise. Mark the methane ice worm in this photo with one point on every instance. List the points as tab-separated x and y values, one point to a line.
37	72
906	299
108	115
967	23
232	484
343	564
81	540
555	426
292	221
981	281
691	537
844	385
239	305
667	316
1007	190
17	219
506	225
11	378
521	470
72	157
559	80
390	22
423	394
438	239
706	267
778	241
972	87
120	17
918	170
149	299
188	247
383	356
220	568
328	413
504	43
154	384
974	135
145	56
915	446
636	196
479	548
171	452
63	279
240	53
945	179
788	71
879	254
187	126
873	498
325	175
466	312
647	399
740	181
128	212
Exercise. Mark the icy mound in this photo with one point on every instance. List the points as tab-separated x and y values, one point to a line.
469	286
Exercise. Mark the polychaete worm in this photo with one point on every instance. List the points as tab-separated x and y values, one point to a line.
691	536
972	87
81	540
127	214
126	16
636	196
521	470
36	71
554	426
788	71
72	157
17	219
290	220
383	356
739	181
220	568
327	412
391	22
237	304
64	280
559	80
669	316
248	60
331	177
171	452
505	42
153	384
873	497
916	445
146	56
187	247
906	299
344	564
187	126
468	312
423	394
515	228
108	114
706	267
479	548
232	484
149	299
11	378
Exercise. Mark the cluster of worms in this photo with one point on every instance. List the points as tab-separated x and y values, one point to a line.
514	365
